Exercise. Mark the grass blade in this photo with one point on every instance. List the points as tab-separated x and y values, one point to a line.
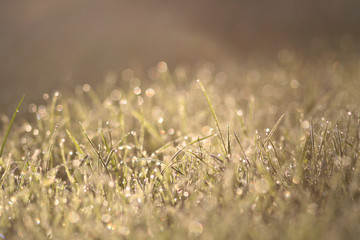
75	142
181	149
92	145
214	115
10	125
242	149
274	128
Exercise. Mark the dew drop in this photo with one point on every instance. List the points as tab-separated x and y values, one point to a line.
106	218
86	87
287	194
261	185
110	226
240	113
36	132
150	92
137	90
195	228
45	96
162	67
73	217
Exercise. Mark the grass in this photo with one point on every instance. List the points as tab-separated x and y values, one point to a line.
10	126
143	162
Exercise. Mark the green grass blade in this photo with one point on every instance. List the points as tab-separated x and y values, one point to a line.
228	140
52	111
48	156
62	153
122	140
104	141
181	149
10	125
242	149
273	129
92	145
75	142
214	115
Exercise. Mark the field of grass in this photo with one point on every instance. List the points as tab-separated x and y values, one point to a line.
272	153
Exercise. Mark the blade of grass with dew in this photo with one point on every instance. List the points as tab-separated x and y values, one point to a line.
273	129
299	171
75	142
242	149
105	141
48	156
62	153
323	146
92	145
10	125
228	140
122	140
109	156
52	110
313	149
180	150
214	115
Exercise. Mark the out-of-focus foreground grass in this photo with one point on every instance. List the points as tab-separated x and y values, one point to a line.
162	159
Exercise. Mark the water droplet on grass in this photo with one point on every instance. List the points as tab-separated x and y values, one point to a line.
150	92
137	90
106	218
86	87
45	96
73	217
162	67
123	102
110	226
287	194
195	228
296	179
261	185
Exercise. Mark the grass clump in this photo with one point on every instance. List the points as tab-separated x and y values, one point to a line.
144	162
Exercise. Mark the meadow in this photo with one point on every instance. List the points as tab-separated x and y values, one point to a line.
270	152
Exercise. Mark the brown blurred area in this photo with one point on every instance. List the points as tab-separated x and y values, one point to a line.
54	44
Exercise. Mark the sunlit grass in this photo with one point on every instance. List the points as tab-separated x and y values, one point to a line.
272	154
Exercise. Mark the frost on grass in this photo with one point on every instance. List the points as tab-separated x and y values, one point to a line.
162	159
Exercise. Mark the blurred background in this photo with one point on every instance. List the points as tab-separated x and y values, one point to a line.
47	45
